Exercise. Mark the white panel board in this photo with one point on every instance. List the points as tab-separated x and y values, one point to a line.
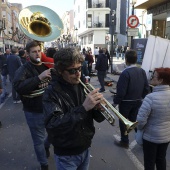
147	58
159	53
166	62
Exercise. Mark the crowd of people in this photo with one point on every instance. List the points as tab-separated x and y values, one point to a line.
58	112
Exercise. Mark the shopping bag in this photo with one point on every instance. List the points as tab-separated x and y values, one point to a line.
139	136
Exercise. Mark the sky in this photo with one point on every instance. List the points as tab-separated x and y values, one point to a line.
59	6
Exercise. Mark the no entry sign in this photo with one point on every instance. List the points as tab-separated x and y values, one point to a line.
133	21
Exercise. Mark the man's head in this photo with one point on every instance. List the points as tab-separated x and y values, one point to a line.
68	63
50	52
33	49
22	53
130	57
14	50
7	51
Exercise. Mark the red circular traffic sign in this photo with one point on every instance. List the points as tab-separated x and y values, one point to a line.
133	21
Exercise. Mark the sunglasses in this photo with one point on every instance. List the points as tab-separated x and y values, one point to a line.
74	70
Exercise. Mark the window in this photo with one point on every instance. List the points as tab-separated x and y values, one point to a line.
89	21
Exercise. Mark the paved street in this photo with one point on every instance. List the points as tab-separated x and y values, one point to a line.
17	153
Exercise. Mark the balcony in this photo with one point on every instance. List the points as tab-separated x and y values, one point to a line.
98	5
97	25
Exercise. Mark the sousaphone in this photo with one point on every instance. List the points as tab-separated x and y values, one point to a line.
40	23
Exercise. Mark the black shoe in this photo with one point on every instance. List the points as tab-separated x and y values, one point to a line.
122	144
0	124
47	152
44	167
100	91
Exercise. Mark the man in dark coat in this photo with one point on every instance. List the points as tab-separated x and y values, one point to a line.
101	67
132	87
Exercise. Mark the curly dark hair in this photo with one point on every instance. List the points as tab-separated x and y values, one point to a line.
66	57
164	74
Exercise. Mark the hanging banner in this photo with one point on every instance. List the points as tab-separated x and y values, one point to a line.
148	22
139	45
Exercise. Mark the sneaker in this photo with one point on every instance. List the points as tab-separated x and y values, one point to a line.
44	167
47	152
122	144
18	101
15	102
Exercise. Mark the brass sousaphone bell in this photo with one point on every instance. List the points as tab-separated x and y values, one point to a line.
40	23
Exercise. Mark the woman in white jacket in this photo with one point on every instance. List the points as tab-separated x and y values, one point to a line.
154	118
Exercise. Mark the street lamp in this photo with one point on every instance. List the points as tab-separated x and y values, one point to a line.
112	21
133	2
133	5
76	29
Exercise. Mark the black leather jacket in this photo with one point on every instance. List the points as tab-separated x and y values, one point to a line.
70	128
25	81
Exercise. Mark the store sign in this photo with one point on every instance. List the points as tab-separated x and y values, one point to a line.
139	45
133	32
149	22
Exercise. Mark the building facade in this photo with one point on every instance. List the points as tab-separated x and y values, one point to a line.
160	12
93	20
10	35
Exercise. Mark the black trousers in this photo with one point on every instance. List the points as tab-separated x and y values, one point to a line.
129	110
154	154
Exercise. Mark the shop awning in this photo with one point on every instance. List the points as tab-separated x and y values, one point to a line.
146	4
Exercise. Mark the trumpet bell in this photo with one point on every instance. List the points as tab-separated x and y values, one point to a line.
40	23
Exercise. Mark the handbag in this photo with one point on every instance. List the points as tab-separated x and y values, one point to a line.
139	136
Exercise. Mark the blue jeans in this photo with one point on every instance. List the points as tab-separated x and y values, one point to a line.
73	162
4	82
15	95
129	110
36	125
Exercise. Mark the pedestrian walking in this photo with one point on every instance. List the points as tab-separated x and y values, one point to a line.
101	67
69	113
106	52
4	74
132	87
96	53
22	55
13	63
89	60
123	52
29	81
153	118
119	51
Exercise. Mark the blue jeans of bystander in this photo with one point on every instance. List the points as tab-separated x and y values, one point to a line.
73	162
36	125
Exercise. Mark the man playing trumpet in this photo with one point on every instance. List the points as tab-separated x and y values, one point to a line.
69	113
29	81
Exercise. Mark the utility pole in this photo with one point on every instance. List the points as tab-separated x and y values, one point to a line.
112	21
133	2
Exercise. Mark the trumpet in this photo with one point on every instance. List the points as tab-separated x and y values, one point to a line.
106	113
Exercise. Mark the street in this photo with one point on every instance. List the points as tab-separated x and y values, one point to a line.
17	152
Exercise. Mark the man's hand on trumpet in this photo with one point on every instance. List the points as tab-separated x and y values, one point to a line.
92	99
